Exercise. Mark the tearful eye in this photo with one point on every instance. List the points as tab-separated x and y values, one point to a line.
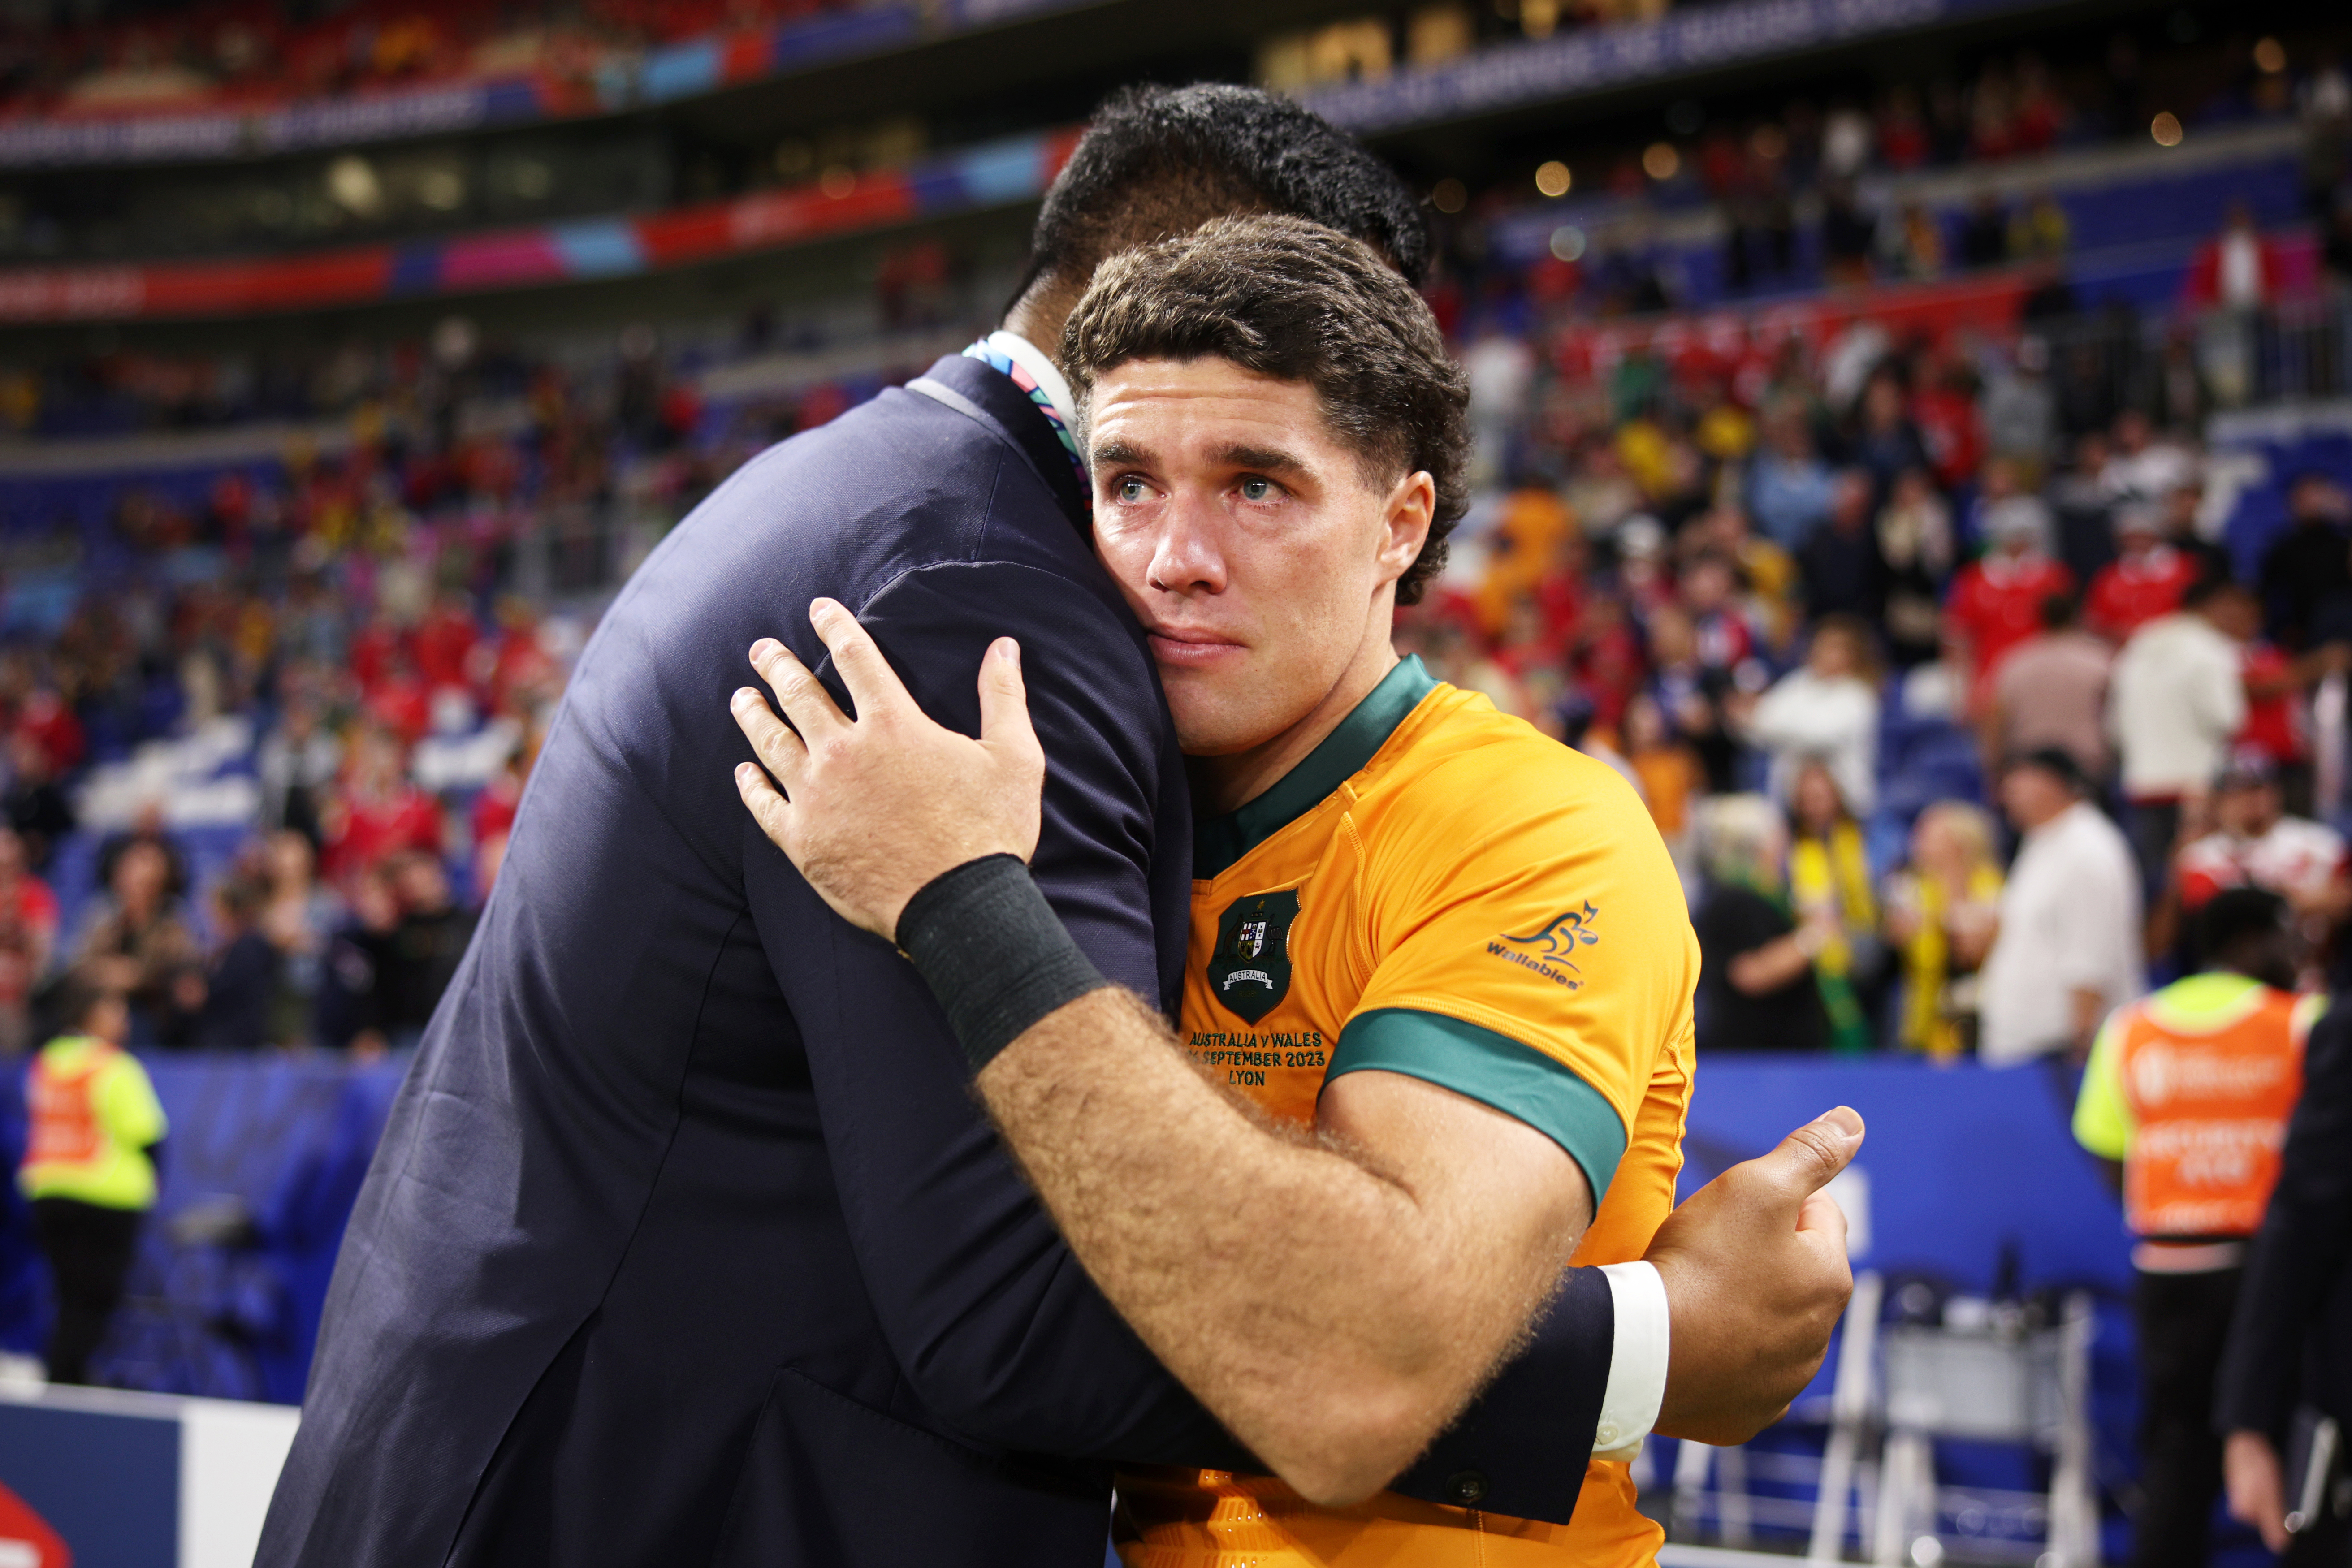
1257	489
1129	490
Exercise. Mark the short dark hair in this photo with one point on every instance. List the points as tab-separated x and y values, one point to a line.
1158	162
2233	919
1296	302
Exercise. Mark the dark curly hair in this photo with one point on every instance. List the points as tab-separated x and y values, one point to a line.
1157	162
1296	302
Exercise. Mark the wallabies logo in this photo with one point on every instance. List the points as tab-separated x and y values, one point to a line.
1249	972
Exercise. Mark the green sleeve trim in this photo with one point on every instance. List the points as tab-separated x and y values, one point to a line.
1495	1071
2103	1118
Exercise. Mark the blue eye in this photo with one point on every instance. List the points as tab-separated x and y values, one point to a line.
1130	490
1257	489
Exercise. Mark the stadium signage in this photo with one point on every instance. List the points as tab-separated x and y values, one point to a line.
1512	76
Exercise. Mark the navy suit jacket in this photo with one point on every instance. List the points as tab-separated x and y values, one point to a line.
688	1241
2291	1340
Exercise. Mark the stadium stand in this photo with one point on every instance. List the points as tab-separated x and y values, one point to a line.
301	519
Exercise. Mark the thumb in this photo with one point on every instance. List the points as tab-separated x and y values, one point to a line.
1004	700
1813	1154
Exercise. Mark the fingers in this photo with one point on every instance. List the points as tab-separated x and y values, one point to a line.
806	703
873	685
772	811
1809	1156
782	753
1820	1214
1004	700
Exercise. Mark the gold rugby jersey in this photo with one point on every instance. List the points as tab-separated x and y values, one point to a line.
1440	890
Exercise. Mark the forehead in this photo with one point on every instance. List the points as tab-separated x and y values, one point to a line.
1171	407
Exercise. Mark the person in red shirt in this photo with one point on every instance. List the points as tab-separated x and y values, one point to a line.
378	811
2145	580
28	935
445	642
1996	601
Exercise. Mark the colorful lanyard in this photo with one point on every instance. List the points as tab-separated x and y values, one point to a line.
988	353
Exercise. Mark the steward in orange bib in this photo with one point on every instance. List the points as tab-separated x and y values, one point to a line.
89	1167
2190	1090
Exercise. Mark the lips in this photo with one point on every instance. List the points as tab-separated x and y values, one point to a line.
1188	649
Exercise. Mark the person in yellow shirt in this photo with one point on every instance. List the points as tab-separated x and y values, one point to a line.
89	1167
1437	1002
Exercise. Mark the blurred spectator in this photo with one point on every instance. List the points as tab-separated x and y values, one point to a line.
2039	230
2190	1089
1690	695
1792	490
1756	989
2020	411
1844	573
297	764
1830	890
2051	690
2290	1336
354	990
2146	580
1849	234
2143	464
1996	601
136	944
1984	233
1670	772
427	943
1889	441
379	812
1941	912
2068	948
36	803
147	828
2277	727
89	1167
2084	516
2238	268
228	1001
1914	550
2177	517
2255	844
2310	563
299	917
1825	711
2174	702
28	939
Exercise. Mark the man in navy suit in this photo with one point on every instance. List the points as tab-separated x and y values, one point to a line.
686	1242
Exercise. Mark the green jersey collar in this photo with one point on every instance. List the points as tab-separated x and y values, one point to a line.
1219	842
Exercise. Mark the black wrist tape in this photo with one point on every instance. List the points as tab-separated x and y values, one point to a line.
993	952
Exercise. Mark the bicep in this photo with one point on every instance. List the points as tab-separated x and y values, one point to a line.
1463	1162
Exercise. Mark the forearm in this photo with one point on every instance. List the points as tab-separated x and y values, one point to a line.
1770	967
1314	1304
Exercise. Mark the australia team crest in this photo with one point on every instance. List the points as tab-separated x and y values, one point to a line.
1249	972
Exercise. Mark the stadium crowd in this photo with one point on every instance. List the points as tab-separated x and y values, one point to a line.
237	53
1814	586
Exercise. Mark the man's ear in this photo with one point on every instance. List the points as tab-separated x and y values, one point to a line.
1411	506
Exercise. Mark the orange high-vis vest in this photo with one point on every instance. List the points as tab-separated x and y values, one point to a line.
64	1111
2211	1098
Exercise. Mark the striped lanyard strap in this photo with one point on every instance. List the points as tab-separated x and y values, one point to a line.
988	353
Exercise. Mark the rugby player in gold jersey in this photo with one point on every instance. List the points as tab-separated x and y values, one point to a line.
1434	1042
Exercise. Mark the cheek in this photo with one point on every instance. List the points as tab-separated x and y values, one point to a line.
1126	554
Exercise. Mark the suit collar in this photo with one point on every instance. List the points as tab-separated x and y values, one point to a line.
1009	409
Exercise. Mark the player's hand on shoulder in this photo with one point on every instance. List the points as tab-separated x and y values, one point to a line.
1755	1269
873	808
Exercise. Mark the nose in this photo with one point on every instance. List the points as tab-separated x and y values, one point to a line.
1185	558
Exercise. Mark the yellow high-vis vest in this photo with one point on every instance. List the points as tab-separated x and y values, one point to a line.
94	1114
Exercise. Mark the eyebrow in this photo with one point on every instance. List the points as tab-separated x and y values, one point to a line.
1265	459
1116	453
